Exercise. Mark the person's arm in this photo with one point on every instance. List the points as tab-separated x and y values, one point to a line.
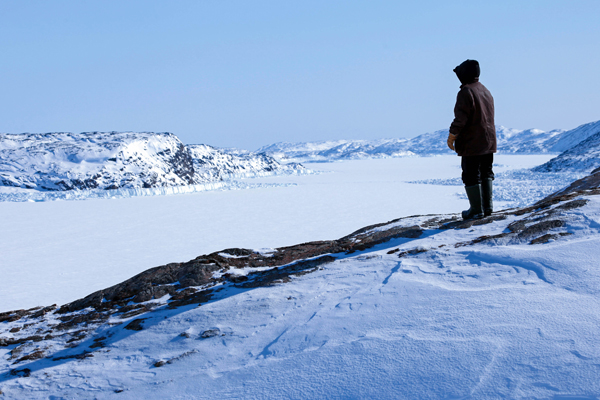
462	111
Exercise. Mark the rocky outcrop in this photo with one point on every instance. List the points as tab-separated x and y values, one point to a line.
173	279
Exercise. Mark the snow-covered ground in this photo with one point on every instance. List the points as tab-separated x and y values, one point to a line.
58	251
452	314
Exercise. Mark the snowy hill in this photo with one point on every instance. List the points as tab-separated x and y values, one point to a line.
337	150
212	164
514	141
419	307
583	157
510	141
575	136
114	160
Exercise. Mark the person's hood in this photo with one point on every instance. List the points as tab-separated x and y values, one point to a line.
468	71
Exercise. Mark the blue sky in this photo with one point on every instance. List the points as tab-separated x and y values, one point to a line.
249	73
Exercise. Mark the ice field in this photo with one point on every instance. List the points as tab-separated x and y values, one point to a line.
58	251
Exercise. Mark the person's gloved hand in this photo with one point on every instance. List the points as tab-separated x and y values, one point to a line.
451	139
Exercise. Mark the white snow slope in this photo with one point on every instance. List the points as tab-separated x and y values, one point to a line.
583	157
448	315
510	141
119	160
575	136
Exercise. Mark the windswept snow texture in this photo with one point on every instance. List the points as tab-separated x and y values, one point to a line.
471	312
120	160
510	141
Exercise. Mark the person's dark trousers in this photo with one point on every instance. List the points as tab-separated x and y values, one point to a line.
477	171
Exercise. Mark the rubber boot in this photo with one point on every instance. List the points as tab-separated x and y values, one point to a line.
486	197
474	195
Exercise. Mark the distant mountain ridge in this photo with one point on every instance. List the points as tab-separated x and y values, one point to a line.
63	161
114	160
511	141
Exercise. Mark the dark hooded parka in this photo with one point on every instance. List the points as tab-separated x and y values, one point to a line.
473	122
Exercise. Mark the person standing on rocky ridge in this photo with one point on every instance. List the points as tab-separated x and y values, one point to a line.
473	136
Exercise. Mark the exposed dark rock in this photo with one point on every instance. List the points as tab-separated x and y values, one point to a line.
11	316
136	309
181	356
367	237
80	356
411	252
540	228
210	333
25	372
36	355
484	238
43	311
136	324
473	222
572	204
517	226
17	351
4	342
77	336
203	296
235	278
151	284
71	321
277	275
237	252
549	236
183	293
99	342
